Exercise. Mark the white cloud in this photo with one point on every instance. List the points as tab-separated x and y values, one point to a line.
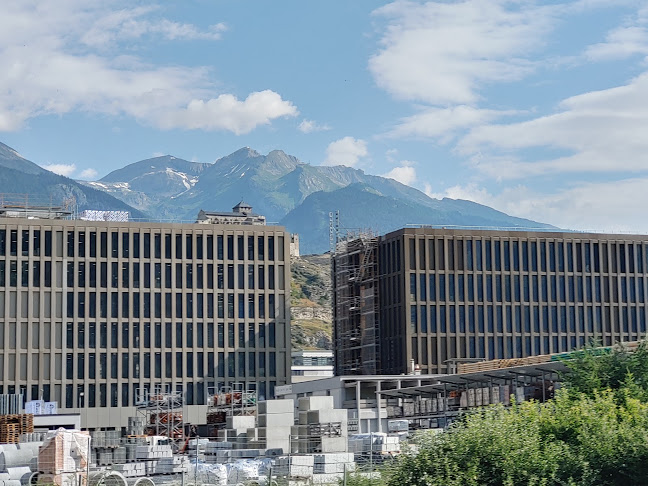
88	174
228	113
439	52
61	169
617	206
309	126
623	41
60	57
599	131
443	123
345	151
404	173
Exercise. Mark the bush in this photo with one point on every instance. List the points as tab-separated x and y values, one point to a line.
595	432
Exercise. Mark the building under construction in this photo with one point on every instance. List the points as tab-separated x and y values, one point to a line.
425	299
355	305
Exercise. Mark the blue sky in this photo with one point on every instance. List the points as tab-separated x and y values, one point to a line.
539	109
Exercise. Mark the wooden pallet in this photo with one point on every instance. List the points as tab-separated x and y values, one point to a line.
9	433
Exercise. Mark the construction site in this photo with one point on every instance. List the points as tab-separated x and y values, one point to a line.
305	441
354	267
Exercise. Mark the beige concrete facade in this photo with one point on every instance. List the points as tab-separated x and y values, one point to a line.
92	313
446	295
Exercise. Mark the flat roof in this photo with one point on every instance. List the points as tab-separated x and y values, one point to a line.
485	377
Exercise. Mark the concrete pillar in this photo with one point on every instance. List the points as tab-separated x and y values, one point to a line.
358	405
378	405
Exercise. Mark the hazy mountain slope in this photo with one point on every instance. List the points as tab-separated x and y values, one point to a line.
364	208
20	177
11	159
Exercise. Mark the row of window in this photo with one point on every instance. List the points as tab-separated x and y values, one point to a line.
178	305
525	288
516	319
136	335
135	245
104	395
487	254
136	366
146	275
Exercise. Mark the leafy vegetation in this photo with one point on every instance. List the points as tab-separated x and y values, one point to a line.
594	432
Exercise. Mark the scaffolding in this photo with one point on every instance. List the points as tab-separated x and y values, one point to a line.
163	411
33	207
236	399
355	305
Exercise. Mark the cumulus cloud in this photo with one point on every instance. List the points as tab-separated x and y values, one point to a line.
228	113
345	151
309	126
616	206
61	169
404	173
88	174
440	52
65	56
598	131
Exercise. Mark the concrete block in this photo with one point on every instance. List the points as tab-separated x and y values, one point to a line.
327	416
276	406
274	432
240	422
333	458
306	460
283	444
334	468
276	419
333	444
315	403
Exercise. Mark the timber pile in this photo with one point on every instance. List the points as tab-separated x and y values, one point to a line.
13	425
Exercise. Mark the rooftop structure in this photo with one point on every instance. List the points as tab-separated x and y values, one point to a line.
241	214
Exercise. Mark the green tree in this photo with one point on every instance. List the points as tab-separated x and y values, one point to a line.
595	369
594	432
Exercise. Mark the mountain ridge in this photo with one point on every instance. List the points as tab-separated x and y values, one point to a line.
279	186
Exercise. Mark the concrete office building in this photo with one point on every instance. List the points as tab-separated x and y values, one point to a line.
446	296
93	314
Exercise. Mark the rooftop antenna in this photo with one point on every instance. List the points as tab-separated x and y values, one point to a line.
334	230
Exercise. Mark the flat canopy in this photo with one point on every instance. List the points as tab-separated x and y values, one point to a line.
484	377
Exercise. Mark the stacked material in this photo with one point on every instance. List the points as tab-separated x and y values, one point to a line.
64	451
135	426
276	419
236	428
322	428
153	451
218	452
131	469
169	465
13	425
294	466
334	463
19	455
244	471
96	215
215	474
375	444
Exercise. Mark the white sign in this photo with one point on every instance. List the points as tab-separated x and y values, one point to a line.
36	407
283	390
